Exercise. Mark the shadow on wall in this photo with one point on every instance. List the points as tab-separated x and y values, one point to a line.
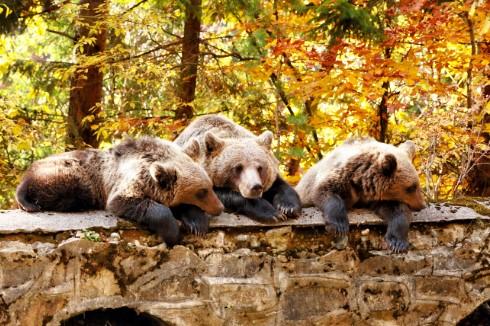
479	317
114	317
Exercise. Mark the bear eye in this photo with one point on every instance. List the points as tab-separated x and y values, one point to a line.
237	169
201	194
260	169
411	189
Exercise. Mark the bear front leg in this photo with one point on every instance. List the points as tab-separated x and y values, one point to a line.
257	209
194	219
395	214
335	213
284	198
157	217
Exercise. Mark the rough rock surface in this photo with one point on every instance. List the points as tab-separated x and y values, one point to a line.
245	274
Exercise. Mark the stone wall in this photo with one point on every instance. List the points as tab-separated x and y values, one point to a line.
243	274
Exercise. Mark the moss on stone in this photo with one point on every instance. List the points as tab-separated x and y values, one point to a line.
472	202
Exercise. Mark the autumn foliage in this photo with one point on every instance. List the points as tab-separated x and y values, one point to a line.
313	72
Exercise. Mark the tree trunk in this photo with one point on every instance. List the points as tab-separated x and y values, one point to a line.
190	58
383	113
86	82
478	179
383	107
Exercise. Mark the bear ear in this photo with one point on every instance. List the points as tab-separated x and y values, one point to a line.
388	165
212	142
193	149
408	147
265	139
164	174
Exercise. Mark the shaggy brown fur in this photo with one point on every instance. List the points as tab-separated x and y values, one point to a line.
238	161
137	179
225	146
362	172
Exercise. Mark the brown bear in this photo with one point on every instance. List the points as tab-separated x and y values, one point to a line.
366	172
137	179
243	169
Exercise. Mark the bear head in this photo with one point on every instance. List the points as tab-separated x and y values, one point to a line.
185	180
400	181
245	165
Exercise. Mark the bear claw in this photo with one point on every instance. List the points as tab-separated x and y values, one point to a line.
288	211
339	230
397	245
282	216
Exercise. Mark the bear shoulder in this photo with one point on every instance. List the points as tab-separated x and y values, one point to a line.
216	124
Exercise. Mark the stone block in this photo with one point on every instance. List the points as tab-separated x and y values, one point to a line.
279	238
19	264
407	264
453	262
101	284
451	234
420	241
229	296
10	294
140	260
40	309
309	297
423	313
265	318
378	296
242	263
174	279
336	317
445	289
343	261
182	313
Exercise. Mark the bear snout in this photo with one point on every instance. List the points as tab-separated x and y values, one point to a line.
419	207
250	183
256	190
214	206
252	192
217	210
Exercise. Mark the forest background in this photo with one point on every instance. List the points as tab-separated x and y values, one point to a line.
86	73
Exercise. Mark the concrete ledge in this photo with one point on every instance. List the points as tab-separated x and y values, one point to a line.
18	221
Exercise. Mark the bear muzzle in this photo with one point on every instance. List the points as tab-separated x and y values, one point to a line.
418	207
252	192
213	206
250	184
418	204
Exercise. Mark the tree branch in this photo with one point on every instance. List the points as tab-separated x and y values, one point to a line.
133	7
47	10
160	47
73	38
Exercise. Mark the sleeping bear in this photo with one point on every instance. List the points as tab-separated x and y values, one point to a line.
137	179
366	172
243	169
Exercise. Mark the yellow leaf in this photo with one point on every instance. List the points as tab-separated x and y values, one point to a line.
16	130
23	146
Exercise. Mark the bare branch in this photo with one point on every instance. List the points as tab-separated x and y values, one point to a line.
73	38
134	7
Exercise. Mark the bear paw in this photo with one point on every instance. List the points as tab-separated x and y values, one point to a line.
288	204
262	211
396	244
340	228
169	232
197	225
288	208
